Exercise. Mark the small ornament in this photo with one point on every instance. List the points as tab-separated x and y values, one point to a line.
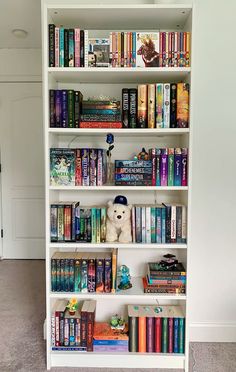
117	322
123	277
72	306
143	155
135	158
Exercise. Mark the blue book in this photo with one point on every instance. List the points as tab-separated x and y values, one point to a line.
61	47
77	223
72	331
177	167
71	348
100	111
64	108
58	111
163	225
159	225
176	335
111	342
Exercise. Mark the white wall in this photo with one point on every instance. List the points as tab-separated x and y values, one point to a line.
213	248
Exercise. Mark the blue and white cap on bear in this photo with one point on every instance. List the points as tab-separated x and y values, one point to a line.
120	199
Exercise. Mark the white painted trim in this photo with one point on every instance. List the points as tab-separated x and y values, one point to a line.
212	332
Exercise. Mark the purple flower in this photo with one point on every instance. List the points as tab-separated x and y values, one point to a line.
110	138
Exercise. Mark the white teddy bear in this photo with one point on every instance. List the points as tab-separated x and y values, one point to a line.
119	220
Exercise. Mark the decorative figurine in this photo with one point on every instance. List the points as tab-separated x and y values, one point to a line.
123	277
119	220
170	262
143	155
72	306
117	322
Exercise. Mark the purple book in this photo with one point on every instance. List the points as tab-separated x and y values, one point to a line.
107	274
150	334
164	167
177	167
99	275
184	179
158	167
64	109
99	167
52	107
111	349
58	103
85	166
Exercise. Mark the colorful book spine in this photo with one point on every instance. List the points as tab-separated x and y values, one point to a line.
187	54
81	48
77	47
181	335
66	332
143	224
85	166
93	167
159	106
142	106
77	286
132	108
99	275
178	224
71	48
60	223
133	49
182	115
78	98
153	225
86	43
125	108
150	325
114	268
64	108
171	166
58	104
103	224
142	335
158	226
177	167
51	43
98	220
164	167
84	276
66	47
170	335
133	334
61	49
158	332
53	223
91	275
71	111
184	159
57	46
163	225
164	338
158	167
52	108
151	105
184	224
166	105
176	335
138	223
173	105
107	274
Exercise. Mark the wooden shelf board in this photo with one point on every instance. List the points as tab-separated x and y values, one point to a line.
118	75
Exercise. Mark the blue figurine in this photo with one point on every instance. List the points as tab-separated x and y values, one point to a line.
124	277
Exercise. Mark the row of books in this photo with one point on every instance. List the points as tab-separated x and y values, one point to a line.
160	105
68	110
165	280
84	272
71	222
108	340
166	223
73	332
165	167
77	167
72	48
156	329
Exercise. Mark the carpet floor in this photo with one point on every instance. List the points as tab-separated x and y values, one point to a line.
22	313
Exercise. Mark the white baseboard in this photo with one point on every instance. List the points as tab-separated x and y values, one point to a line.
212	332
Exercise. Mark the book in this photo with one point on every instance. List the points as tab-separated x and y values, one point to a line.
166	105
104	332
142	106
101	124
173	105
62	167
133	107
151	105
159	106
147	49
182	115
90	324
51	44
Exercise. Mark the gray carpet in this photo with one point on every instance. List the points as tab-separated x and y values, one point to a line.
22	312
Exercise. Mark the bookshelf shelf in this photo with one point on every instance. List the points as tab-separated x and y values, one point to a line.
134	293
120	132
99	20
116	245
117	360
118	75
118	188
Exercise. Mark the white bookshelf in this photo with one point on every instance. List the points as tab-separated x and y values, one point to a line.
99	19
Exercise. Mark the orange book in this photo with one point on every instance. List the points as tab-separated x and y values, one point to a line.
114	270
187	53
142	334
103	331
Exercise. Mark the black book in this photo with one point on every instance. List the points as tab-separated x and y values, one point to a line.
133	93
66	47
78	107
81	48
51	45
173	105
52	108
125	108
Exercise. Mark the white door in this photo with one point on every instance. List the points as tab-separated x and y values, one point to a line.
21	143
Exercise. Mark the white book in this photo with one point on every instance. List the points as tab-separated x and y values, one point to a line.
143	214
184	224
173	223
148	225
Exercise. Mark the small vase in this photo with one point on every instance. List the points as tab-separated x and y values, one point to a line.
110	171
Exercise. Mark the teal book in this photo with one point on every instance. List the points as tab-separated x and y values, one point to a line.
158	225
53	274
171	166
62	275
77	281
94	224
98	221
176	335
61	47
72	275
71	48
103	224
164	338
163	225
181	335
67	275
153	225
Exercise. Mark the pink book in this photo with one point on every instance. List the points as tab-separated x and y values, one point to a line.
184	156
170	335
57	47
77	47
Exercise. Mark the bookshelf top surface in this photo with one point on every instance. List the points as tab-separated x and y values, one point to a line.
118	75
119	16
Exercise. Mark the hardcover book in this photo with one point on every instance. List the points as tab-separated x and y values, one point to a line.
147	49
62	167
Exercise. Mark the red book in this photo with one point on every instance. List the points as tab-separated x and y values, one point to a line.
157	335
101	124
78	169
170	335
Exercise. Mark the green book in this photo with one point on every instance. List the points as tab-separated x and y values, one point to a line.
103	224
94	224
164	336
171	166
78	274
71	111
153	225
181	335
